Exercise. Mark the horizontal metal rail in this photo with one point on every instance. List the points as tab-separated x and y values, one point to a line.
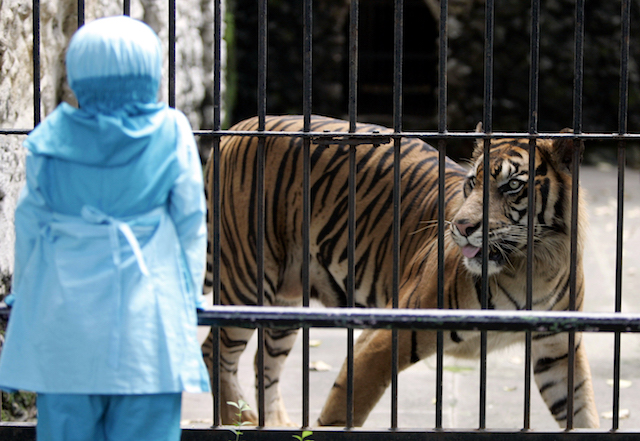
418	319
415	319
377	138
354	137
26	432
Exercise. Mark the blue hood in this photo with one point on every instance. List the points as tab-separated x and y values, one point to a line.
114	66
88	138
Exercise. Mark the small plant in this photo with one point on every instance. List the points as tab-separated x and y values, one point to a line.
304	436
241	406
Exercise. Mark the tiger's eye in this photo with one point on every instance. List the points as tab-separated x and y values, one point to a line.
514	184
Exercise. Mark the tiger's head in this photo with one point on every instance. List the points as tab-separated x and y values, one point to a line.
508	204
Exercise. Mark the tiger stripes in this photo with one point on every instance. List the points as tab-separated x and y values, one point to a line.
373	255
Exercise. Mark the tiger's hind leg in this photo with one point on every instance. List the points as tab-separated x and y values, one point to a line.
233	342
278	344
550	368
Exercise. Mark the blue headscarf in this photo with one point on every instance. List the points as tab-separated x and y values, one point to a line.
114	67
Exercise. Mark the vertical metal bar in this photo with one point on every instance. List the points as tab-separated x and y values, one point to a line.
534	73
577	123
442	152
80	13
622	129
353	111
397	127
36	63
215	201
307	96
397	65
618	301
126	7
488	128
351	258
262	111
172	53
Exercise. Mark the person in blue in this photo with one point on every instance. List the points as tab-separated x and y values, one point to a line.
110	250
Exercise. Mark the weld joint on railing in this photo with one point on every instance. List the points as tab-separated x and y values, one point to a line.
351	140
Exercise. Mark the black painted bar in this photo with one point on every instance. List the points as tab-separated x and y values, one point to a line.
214	195
419	319
307	95
354	13
172	53
442	153
36	63
260	212
397	186
425	319
26	432
427	136
625	11
487	120
534	79
80	12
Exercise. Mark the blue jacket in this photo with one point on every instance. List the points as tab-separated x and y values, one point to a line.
110	253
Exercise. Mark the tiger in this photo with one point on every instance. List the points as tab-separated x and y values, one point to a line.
328	259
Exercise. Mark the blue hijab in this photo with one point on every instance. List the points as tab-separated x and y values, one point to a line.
114	68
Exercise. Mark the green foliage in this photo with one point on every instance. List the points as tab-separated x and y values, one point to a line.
304	436
18	406
241	406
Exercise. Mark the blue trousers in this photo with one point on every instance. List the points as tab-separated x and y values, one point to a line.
77	417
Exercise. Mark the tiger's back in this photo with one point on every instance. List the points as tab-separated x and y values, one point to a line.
329	171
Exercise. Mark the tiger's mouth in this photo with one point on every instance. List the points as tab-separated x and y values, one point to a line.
475	253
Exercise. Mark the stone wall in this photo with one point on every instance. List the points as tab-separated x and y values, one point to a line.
194	75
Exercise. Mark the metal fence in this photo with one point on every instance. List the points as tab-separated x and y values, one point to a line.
441	320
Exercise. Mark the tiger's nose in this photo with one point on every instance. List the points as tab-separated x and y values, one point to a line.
465	227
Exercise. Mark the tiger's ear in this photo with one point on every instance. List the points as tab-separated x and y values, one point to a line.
562	150
479	144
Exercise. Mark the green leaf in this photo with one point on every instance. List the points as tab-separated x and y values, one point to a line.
304	436
231	403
